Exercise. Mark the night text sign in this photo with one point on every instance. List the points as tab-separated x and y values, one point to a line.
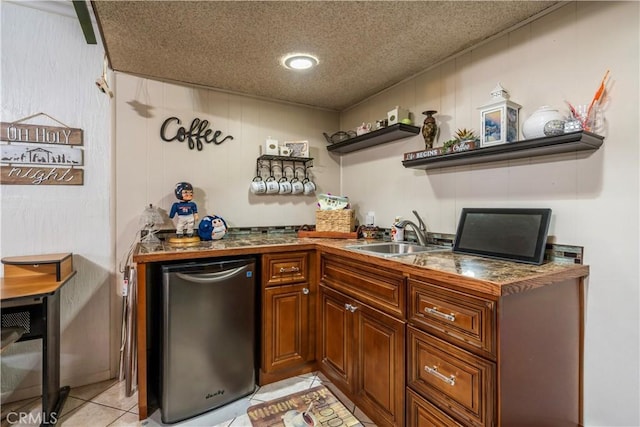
29	175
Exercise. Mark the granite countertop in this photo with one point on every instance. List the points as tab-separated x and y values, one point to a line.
485	275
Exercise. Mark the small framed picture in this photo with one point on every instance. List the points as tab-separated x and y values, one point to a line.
298	148
493	127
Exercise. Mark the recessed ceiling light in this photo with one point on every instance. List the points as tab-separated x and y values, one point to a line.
300	61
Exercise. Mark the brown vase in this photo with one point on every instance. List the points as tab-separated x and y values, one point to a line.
429	128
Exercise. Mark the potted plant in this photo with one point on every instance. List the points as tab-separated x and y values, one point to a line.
464	139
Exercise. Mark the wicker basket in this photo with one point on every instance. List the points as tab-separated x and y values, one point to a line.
342	220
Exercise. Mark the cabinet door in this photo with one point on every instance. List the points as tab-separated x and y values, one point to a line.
336	341
287	335
380	365
455	380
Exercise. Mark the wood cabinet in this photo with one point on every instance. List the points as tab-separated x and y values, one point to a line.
512	341
490	361
361	346
288	315
421	413
451	378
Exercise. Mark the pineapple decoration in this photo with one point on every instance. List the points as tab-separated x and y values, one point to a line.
429	129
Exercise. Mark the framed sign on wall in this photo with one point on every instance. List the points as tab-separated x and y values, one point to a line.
34	154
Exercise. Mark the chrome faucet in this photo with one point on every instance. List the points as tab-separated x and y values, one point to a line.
420	230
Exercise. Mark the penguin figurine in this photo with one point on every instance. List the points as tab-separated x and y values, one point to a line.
212	227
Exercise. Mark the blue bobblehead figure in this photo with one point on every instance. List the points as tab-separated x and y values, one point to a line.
186	210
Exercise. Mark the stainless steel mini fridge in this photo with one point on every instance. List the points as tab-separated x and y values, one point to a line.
208	336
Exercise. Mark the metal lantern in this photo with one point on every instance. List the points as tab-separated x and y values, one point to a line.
498	119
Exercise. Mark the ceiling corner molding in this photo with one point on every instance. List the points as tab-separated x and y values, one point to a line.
84	17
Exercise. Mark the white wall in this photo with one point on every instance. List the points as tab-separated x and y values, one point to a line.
148	167
48	67
594	197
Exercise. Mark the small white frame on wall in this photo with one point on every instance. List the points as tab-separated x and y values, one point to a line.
298	148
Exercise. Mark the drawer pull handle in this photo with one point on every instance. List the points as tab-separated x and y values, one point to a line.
289	269
350	307
451	317
434	371
305	291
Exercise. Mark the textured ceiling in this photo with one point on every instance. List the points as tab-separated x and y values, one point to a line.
363	46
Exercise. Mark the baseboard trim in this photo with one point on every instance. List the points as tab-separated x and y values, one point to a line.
36	391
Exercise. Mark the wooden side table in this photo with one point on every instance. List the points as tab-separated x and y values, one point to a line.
30	292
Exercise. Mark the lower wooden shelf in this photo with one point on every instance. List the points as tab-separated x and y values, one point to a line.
566	143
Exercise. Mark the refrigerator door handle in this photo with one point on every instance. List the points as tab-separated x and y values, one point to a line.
214	277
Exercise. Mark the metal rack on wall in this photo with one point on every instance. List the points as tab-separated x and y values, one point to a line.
282	162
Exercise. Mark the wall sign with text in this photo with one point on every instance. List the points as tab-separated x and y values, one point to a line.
41	155
196	136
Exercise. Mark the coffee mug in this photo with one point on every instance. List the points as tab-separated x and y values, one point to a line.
272	185
285	186
285	151
309	186
297	186
258	186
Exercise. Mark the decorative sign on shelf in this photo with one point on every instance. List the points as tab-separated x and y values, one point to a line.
34	154
439	151
198	133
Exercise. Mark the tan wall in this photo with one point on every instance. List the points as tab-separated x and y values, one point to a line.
148	167
594	198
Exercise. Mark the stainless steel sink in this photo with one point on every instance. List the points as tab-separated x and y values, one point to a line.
389	249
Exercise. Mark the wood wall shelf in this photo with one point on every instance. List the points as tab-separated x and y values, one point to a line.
376	137
566	143
271	157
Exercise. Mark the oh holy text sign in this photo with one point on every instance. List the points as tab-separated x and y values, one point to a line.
40	155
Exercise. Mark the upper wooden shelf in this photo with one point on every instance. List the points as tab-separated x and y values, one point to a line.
566	143
285	158
380	136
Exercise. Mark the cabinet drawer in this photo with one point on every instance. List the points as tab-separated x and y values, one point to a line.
458	382
421	413
463	319
380	288
285	268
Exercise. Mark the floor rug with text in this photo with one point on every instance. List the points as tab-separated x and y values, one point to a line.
316	406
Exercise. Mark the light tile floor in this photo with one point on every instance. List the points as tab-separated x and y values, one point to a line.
105	404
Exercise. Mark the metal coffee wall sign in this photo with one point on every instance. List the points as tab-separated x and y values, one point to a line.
196	136
40	154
